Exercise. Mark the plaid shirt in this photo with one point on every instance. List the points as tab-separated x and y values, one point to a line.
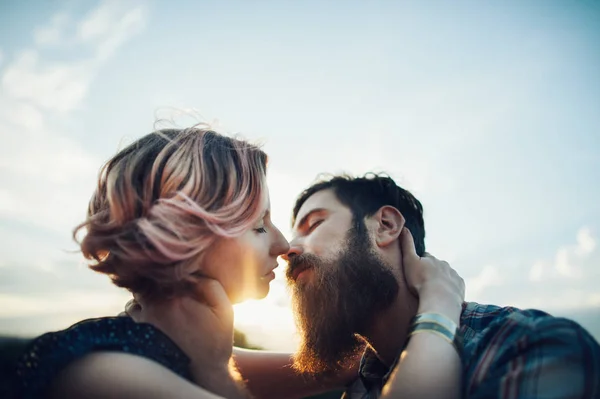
510	354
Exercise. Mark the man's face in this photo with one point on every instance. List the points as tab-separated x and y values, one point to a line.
338	283
320	229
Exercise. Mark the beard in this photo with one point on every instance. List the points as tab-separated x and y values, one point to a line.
338	306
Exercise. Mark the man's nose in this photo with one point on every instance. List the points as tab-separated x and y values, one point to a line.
295	250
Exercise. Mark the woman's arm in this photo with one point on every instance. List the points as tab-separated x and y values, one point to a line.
269	375
120	375
429	366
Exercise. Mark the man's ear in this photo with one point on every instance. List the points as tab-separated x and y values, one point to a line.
390	223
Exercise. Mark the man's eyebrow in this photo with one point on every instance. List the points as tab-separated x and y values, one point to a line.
308	215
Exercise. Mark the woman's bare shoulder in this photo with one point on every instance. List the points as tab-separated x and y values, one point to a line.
122	375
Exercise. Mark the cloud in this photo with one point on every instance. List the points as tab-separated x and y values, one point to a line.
53	33
537	272
569	262
62	86
51	86
44	287
46	175
40	267
109	26
562	282
21	115
98	22
32	315
585	242
489	277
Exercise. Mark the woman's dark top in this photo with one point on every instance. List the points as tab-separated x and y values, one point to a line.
46	356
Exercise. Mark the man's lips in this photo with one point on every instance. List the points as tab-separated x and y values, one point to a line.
299	269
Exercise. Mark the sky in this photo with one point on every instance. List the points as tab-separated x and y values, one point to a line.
487	111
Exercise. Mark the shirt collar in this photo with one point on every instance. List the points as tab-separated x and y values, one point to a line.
373	371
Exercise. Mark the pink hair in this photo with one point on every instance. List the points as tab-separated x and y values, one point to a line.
163	200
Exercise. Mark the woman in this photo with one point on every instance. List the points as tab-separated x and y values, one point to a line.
181	219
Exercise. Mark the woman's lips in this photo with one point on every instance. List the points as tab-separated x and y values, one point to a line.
269	275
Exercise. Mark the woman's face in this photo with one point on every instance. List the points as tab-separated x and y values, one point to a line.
244	265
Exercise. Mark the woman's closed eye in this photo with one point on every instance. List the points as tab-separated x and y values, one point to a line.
261	230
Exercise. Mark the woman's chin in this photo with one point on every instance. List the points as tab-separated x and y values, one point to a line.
261	295
259	292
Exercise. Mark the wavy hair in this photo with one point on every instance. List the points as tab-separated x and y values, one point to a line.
163	200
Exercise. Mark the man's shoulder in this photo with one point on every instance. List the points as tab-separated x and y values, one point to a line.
477	318
545	349
493	332
483	324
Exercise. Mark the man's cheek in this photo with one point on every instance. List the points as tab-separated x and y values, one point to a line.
321	245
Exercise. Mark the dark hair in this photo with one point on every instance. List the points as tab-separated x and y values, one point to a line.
365	195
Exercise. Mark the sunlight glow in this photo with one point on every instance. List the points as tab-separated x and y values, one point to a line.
261	312
266	324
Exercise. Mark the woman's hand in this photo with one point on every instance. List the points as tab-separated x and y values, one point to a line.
439	288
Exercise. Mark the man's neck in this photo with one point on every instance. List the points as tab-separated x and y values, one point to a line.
389	330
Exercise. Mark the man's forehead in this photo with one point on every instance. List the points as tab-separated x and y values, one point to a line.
323	200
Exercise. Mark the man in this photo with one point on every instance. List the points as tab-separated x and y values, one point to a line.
346	273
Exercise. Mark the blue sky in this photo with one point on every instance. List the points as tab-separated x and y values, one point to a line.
487	111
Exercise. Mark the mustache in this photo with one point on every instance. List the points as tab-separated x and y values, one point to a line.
300	262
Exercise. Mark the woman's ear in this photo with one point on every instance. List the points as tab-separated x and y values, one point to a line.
389	222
